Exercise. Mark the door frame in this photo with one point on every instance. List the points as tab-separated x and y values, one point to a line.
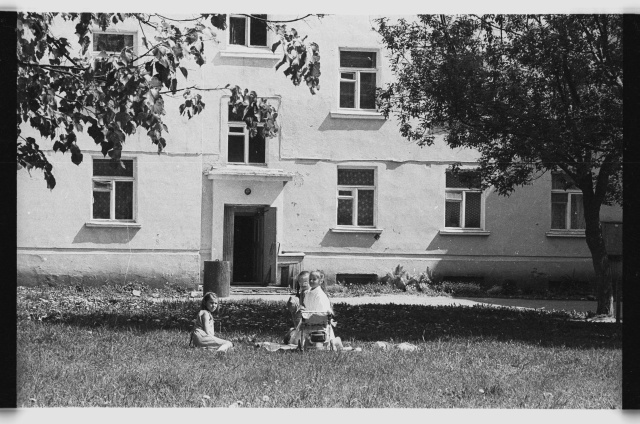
230	212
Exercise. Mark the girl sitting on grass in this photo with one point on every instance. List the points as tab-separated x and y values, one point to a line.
203	332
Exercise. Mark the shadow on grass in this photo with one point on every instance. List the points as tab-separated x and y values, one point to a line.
372	322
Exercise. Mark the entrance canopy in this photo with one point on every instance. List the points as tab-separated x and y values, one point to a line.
246	221
250	173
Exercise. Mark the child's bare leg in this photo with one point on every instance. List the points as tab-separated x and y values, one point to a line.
212	342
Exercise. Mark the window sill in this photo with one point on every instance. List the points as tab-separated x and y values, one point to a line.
249	52
566	233
113	224
359	230
262	165
357	114
463	232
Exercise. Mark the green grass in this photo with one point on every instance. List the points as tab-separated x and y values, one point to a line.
107	348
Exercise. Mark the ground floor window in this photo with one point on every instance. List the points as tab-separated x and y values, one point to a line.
113	190
567	210
463	201
356	197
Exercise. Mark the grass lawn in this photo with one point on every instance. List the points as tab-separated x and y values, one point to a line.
107	348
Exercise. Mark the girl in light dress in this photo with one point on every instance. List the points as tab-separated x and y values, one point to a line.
203	331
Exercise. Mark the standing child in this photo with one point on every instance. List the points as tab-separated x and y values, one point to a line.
203	332
316	300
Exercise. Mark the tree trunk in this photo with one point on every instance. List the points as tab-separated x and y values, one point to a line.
593	233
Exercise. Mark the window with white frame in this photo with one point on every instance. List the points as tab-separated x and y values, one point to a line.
242	147
358	74
109	44
567	210
248	31
113	190
356	197
463	207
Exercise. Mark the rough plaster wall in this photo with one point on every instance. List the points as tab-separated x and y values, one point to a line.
96	268
168	192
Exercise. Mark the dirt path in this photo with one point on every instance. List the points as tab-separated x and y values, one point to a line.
397	299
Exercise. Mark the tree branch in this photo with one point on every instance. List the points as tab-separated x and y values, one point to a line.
194	87
44	65
281	21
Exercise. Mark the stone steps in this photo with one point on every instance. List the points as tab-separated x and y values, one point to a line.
259	290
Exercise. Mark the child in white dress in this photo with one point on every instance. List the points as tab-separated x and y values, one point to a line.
316	300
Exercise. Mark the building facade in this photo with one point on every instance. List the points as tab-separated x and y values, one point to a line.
338	189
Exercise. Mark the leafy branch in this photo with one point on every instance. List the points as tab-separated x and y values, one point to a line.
122	93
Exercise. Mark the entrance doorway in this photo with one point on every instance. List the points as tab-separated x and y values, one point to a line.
250	244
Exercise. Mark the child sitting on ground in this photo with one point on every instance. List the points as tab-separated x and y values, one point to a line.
203	331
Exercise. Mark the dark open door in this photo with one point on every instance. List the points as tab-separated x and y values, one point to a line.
249	244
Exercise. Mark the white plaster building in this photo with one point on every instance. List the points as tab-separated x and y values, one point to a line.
338	189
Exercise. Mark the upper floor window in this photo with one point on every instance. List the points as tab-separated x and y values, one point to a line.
464	205
109	44
113	190
358	73
248	31
356	197
567	210
242	147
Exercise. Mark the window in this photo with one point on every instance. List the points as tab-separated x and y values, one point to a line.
248	31
111	44
241	146
356	196
113	194
358	79
463	201
567	210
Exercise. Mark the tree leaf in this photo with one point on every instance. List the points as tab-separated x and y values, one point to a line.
76	154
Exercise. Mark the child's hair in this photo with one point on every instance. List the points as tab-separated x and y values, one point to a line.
321	275
207	296
302	274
